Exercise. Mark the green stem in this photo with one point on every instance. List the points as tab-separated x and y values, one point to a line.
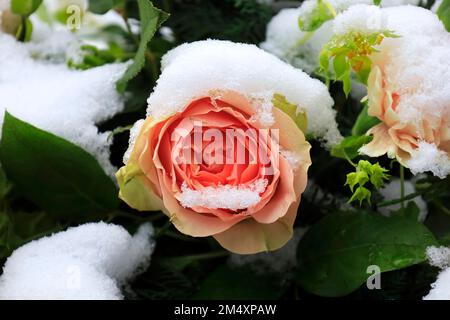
402	186
349	160
400	200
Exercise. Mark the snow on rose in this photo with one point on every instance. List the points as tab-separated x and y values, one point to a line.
247	206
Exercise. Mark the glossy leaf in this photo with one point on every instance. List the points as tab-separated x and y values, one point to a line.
335	253
55	174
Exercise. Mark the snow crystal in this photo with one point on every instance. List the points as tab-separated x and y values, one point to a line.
391	191
91	261
428	157
223	196
68	103
193	70
282	261
439	256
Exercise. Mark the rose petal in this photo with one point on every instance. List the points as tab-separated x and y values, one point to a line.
249	236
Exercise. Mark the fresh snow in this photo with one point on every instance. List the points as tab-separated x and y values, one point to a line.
91	261
194	70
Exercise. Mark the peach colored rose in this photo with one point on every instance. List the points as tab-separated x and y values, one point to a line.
155	179
394	137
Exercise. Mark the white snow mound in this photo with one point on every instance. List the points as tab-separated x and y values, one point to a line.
91	261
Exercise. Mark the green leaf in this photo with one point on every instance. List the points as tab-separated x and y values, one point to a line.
348	148
360	195
378	175
358	177
279	101
102	6
334	254
25	7
55	174
377	2
18	228
5	185
340	65
226	283
411	211
324	60
443	13
365	171
354	49
25	30
347	82
151	18
364	122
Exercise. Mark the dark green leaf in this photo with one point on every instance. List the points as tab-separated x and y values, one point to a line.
18	228
335	253
151	18
25	7
102	6
443	13
377	2
5	185
349	147
236	283
25	30
411	211
55	174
